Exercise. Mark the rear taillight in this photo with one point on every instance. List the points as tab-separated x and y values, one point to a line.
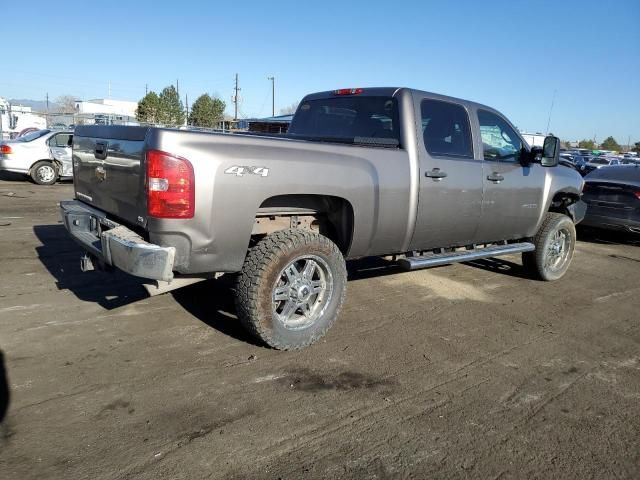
5	149
347	91
637	194
170	186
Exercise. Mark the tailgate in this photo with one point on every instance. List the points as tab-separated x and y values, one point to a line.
108	169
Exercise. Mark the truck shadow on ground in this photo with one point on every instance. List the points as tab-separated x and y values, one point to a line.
211	301
61	257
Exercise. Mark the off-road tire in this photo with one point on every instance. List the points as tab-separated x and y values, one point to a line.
260	273
535	262
37	178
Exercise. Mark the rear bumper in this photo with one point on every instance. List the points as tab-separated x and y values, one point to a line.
9	164
116	245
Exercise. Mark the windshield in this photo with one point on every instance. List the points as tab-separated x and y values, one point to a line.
29	137
600	161
349	119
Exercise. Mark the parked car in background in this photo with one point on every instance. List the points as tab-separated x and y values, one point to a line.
613	198
630	161
22	133
576	160
44	155
599	162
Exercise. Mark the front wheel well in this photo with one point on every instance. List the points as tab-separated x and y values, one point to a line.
562	201
328	215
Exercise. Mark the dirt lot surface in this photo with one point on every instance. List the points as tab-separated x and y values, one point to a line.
465	371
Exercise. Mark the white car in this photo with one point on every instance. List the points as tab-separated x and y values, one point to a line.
44	155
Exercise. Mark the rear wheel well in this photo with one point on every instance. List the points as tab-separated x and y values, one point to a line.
326	214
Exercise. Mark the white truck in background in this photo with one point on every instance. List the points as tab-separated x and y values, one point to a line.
533	139
15	118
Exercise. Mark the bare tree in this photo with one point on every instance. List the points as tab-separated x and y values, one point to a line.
290	109
66	104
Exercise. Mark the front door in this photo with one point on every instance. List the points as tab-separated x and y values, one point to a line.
512	192
450	198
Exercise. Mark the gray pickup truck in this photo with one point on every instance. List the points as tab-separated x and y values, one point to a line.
419	178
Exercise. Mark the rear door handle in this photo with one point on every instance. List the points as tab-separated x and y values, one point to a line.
495	177
436	174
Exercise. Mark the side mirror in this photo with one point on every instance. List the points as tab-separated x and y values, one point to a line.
550	152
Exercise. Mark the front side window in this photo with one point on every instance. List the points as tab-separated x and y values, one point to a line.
445	129
499	140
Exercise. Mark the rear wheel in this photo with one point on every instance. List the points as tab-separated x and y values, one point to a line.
555	243
44	173
291	288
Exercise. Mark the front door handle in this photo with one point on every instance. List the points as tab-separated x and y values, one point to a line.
436	174
495	177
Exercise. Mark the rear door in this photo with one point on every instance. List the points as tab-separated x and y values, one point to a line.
60	146
512	192
450	198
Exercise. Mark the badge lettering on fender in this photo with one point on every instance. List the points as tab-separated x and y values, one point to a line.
240	170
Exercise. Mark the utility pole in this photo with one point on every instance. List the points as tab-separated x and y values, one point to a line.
186	106
235	99
273	95
178	87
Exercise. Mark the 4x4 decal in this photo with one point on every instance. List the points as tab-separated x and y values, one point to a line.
240	170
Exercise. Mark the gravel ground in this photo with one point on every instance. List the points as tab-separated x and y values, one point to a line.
464	371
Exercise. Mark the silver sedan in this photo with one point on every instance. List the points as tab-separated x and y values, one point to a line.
44	155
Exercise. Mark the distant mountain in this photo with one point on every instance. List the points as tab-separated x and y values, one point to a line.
36	105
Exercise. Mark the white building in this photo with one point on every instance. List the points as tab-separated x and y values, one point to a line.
15	118
106	110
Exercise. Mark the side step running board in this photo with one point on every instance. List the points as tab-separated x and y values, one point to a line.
433	260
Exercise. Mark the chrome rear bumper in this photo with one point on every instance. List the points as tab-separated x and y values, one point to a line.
116	245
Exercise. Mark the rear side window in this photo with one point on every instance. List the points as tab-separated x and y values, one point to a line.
353	119
445	129
61	140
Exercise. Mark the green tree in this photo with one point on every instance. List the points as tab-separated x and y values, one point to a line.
148	108
610	144
637	147
171	111
588	144
206	111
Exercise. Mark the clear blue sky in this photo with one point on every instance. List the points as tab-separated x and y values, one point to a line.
509	54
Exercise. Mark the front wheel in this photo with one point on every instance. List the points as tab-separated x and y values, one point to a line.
291	288
44	173
555	243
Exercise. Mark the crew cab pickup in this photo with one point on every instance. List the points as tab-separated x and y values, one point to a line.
419	178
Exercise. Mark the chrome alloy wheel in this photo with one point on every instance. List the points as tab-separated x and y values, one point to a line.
558	250
302	292
46	173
